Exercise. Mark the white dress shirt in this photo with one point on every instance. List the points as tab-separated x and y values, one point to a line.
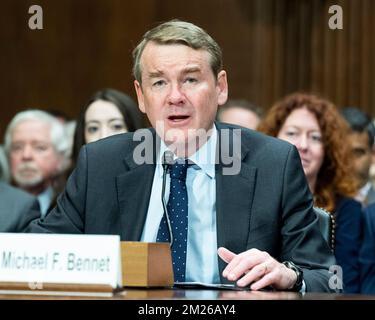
362	193
45	200
202	258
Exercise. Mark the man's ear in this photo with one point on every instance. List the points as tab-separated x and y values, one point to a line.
138	90
222	87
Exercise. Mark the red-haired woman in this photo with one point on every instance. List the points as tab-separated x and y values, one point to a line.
316	128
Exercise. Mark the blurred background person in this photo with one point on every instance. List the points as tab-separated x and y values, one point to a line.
240	112
70	127
17	208
316	128
4	168
367	253
107	112
372	167
361	141
38	151
69	124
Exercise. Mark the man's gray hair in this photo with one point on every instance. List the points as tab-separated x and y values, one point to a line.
59	137
179	32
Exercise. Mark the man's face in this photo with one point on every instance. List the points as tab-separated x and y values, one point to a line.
361	150
179	91
302	129
33	159
103	119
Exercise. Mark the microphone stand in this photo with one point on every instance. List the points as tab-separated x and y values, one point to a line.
166	164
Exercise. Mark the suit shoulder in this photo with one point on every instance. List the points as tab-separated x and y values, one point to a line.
348	204
255	138
258	143
112	142
8	192
116	145
260	139
350	211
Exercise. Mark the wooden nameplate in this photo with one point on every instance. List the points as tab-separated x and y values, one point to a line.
146	264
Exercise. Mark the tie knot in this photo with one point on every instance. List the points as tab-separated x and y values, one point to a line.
179	169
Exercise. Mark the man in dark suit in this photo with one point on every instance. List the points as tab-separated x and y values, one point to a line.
361	142
367	253
17	209
256	208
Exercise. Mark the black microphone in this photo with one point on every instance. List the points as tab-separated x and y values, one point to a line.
166	162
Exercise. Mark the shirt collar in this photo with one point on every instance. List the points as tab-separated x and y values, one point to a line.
44	199
203	158
363	192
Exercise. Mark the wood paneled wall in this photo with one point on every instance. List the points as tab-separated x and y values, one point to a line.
271	48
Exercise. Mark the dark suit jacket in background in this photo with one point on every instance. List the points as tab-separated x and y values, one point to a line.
367	253
348	240
370	199
17	209
266	206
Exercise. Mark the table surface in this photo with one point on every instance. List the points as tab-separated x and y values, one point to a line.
181	294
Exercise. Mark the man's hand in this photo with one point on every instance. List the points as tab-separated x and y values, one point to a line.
257	268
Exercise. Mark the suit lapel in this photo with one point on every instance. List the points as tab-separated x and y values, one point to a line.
133	194
234	197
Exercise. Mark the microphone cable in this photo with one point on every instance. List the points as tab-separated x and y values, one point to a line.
167	161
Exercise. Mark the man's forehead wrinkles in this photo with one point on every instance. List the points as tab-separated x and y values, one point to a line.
192	68
155	74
